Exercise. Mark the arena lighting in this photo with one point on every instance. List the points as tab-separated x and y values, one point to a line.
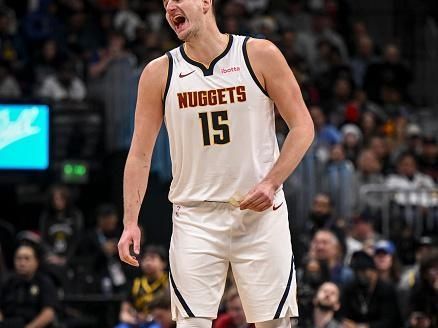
75	172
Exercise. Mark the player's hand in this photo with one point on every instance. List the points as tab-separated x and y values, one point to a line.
260	198
131	236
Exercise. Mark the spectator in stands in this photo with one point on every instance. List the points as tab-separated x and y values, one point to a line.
389	72
28	298
424	299
41	22
362	235
310	275
367	300
113	80
408	178
98	247
47	61
411	276
160	309
326	135
364	57
321	215
127	20
307	41
352	141
234	317
326	304
379	145
428	161
339	182
413	141
386	262
419	320
12	49
80	32
152	285
325	246
368	169
9	87
115	51
340	100
368	172
292	16
368	122
64	85
60	225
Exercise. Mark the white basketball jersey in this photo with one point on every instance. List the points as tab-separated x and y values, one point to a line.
221	126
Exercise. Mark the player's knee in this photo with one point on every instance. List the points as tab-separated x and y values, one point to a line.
277	323
193	323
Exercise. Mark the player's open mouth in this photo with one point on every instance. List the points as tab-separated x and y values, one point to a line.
179	22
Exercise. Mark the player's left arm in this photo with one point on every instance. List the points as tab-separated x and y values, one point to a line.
275	75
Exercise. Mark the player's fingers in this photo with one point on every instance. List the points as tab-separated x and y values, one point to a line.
255	203
137	245
258	198
124	253
254	196
247	199
262	207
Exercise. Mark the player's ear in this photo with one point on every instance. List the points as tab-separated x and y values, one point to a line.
206	5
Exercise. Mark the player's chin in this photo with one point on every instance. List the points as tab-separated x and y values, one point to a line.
183	35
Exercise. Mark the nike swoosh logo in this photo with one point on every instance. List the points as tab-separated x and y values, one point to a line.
277	207
181	75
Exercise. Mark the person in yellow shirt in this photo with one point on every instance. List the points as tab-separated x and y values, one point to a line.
153	283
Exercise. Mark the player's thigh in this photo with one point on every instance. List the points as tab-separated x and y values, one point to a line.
198	267
263	267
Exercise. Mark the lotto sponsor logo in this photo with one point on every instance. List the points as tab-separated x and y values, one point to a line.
230	70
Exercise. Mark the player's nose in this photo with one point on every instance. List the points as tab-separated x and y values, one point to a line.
171	6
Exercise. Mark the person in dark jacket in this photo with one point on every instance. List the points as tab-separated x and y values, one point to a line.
28	298
368	302
424	297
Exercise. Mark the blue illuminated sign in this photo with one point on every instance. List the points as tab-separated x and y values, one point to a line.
24	137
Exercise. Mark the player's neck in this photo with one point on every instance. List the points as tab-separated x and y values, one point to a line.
205	46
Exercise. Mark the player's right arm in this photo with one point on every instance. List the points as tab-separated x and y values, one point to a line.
148	120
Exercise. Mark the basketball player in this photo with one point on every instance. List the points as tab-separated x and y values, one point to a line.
216	94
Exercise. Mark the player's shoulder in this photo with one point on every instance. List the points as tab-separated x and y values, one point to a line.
155	72
262	49
157	66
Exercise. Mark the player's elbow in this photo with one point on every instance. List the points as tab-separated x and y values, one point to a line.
308	131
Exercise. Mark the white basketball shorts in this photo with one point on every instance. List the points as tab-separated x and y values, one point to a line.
208	237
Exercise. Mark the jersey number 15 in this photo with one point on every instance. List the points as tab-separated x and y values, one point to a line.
215	124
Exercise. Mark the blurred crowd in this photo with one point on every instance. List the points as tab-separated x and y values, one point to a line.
363	203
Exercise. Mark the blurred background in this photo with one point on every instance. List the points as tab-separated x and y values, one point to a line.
363	203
